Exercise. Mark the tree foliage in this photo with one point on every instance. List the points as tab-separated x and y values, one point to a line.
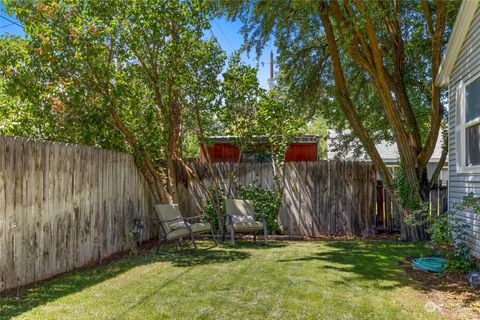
368	66
124	75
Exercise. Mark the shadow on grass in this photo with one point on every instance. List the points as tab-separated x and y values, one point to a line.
189	258
366	261
63	285
245	244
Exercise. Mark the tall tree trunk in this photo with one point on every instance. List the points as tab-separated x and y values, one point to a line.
416	232
365	49
174	148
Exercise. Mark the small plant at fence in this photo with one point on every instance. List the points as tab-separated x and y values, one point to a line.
448	232
209	208
266	203
135	235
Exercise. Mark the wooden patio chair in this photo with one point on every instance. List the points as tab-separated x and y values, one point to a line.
241	218
174	226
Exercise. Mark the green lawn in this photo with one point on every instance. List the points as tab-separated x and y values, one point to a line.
286	280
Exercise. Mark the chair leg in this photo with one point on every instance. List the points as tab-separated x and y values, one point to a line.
158	243
213	236
232	236
193	241
265	234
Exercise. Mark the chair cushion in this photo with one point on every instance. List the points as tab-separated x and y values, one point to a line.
200	227
168	211
242	218
178	233
248	226
183	232
239	207
176	225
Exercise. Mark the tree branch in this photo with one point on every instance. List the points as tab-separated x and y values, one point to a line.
435	114
347	104
439	167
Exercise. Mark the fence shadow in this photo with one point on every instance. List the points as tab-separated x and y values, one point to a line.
366	261
33	296
189	258
248	244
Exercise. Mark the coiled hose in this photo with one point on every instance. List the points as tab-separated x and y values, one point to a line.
429	264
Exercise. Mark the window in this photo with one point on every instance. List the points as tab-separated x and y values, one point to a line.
468	126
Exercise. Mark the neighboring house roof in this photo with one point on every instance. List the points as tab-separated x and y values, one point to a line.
388	151
455	43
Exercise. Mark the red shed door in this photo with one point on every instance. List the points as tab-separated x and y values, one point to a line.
301	152
220	152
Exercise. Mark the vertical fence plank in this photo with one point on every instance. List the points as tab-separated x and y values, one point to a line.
59	232
77	236
3	221
339	220
10	278
68	207
349	199
309	202
19	213
332	208
28	191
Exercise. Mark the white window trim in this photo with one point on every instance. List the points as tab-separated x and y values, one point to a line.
460	128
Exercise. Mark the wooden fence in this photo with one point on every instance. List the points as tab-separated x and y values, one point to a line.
389	216
63	206
324	198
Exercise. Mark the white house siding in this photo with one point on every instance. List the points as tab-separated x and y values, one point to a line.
466	67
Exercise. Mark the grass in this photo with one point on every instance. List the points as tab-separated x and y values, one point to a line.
286	280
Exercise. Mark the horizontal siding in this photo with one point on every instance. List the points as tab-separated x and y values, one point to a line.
466	68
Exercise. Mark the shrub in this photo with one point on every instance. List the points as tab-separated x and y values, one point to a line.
459	264
266	203
209	208
448	233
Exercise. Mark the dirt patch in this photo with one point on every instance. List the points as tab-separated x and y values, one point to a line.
450	293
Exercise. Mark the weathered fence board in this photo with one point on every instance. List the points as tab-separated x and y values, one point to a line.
63	206
389	217
325	198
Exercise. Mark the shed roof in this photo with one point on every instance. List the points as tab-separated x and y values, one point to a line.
308	138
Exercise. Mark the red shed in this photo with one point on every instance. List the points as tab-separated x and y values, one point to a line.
223	149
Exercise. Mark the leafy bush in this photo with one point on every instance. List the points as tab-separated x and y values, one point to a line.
459	264
449	232
209	208
266	203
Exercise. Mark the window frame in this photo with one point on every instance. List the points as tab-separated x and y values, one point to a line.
461	127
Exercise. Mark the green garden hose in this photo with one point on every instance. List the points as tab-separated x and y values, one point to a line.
429	264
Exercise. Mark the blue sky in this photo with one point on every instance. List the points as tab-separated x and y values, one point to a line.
227	33
229	37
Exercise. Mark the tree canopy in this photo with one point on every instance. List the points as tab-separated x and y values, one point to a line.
140	68
369	66
137	76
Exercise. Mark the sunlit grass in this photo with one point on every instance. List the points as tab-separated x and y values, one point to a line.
286	280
